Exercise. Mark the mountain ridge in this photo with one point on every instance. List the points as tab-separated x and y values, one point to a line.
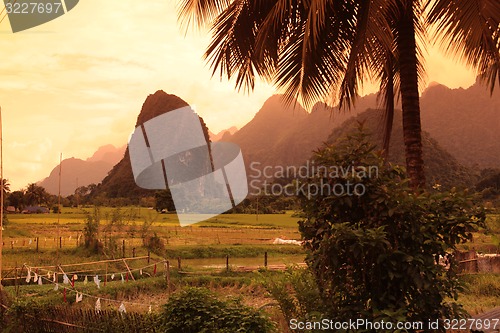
120	183
76	172
465	122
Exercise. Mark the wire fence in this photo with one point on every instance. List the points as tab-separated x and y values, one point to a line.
169	235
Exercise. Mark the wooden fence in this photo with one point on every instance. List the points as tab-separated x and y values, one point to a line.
472	262
75	320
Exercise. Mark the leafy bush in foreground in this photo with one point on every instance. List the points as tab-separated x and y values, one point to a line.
375	256
197	310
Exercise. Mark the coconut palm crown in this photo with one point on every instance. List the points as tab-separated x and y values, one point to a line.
325	49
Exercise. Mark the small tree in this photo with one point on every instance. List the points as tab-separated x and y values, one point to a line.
91	230
375	254
17	199
113	230
163	200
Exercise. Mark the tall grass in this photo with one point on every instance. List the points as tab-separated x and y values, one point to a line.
481	292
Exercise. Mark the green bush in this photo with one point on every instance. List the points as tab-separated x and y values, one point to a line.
197	310
155	244
375	256
91	231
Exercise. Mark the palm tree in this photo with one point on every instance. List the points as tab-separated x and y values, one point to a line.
325	49
35	195
5	186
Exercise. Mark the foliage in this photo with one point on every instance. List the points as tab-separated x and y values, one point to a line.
265	204
55	209
113	230
16	199
151	240
82	195
297	294
91	230
155	244
197	310
319	50
489	185
375	255
36	195
164	201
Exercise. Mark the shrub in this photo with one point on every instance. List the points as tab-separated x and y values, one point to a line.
297	294
91	231
197	310
155	244
375	256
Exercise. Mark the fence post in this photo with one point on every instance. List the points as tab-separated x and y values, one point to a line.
123	248
227	262
128	269
16	282
167	275
60	242
265	259
179	263
37	239
133	252
149	256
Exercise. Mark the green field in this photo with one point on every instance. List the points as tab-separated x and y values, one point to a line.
237	235
202	247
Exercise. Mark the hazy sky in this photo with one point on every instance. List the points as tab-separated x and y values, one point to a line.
78	82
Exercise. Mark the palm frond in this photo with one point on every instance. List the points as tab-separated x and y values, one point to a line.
288	42
371	37
312	57
200	12
470	29
232	50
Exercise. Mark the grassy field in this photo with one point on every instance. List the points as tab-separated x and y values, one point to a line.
203	248
237	235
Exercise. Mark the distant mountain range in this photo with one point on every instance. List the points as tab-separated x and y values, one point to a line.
463	128
222	134
465	122
287	134
77	172
440	166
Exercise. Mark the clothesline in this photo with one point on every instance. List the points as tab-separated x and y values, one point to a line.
56	267
30	268
88	263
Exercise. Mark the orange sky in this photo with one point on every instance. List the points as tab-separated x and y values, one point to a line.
78	82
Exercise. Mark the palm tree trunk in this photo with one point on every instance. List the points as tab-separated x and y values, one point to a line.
389	106
410	97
